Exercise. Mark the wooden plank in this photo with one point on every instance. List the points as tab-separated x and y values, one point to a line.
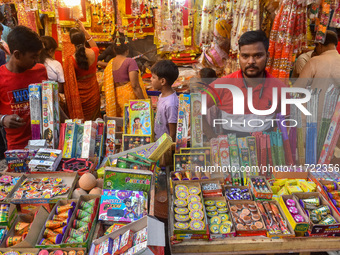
256	245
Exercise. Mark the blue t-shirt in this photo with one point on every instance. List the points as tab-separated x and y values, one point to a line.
167	112
5	32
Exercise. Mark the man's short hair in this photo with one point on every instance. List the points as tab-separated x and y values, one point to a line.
331	37
166	69
24	39
251	37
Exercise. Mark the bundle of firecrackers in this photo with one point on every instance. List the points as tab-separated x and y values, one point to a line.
246	216
317	213
237	194
333	193
218	217
61	252
56	227
7	183
17	160
211	189
325	175
33	188
81	226
274	221
20	232
188	208
290	186
128	243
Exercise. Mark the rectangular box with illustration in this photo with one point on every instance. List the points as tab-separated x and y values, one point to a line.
140	115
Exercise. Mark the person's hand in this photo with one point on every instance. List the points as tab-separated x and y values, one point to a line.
80	25
13	121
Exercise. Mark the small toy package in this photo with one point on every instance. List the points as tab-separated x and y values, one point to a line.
122	205
182	134
106	247
89	137
140	237
69	149
110	137
126	241
140	115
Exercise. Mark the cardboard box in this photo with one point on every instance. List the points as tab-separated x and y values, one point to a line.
211	193
12	213
287	224
37	224
88	241
299	228
228	187
67	249
232	233
155	235
318	229
259	232
257	194
50	217
70	179
21	250
323	191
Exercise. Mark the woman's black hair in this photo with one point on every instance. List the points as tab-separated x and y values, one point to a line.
49	44
122	48
78	39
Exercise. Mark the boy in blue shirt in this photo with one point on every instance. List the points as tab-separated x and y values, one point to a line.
164	74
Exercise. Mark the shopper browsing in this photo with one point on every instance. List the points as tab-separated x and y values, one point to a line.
21	70
164	74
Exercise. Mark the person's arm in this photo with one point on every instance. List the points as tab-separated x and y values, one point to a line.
172	131
88	37
133	76
11	121
102	64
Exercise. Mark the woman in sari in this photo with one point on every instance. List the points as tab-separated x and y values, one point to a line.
122	80
81	86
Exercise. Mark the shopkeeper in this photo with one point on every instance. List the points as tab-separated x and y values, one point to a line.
21	70
253	56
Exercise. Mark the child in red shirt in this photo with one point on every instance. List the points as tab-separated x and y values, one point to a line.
15	76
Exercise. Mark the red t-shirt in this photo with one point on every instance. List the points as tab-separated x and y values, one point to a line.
14	99
262	100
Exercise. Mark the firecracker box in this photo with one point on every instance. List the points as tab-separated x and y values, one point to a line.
252	150
140	115
37	222
196	120
30	251
89	138
99	150
211	188
204	150
193	162
69	179
139	158
35	110
321	229
11	215
69	149
50	217
284	222
135	141
323	190
301	227
183	123
46	160
18	160
87	242
155	236
212	235
258	194
48	115
184	233
110	137
228	187
246	232
79	140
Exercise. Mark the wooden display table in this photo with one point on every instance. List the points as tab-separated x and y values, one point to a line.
257	245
